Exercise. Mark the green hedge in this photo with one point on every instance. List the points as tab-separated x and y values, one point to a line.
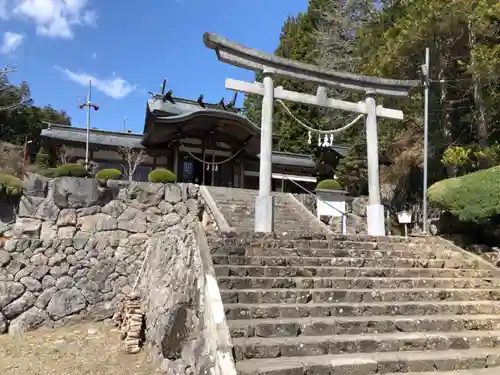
108	174
329	185
10	185
161	175
474	197
71	170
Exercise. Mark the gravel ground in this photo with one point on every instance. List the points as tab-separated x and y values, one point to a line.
90	349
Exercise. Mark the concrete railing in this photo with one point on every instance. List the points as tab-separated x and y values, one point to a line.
214	315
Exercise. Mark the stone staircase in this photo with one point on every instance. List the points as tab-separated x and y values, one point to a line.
358	306
238	207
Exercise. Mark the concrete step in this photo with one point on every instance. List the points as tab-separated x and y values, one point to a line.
339	253
356	295
324	326
384	243
289	271
235	282
242	212
249	202
483	371
348	309
373	363
303	346
294	261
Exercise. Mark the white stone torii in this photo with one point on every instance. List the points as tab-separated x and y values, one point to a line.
270	65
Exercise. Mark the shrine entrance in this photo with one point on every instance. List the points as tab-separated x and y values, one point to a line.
271	66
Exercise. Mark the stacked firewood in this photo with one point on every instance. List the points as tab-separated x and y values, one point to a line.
130	320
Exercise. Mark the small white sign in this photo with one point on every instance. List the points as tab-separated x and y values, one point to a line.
404	217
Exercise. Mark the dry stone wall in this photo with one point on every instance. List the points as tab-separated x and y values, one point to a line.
78	245
172	288
79	208
43	282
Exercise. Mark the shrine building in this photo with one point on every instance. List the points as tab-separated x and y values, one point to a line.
209	144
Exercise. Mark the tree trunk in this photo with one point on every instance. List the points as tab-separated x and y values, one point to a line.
445	112
480	116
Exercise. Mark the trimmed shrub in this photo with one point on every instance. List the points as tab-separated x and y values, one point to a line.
161	175
71	170
329	184
474	197
10	185
108	174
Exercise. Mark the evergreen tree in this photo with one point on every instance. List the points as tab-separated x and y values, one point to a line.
297	42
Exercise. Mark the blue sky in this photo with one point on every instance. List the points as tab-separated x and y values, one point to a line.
127	47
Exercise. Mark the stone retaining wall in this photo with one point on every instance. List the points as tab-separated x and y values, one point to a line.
173	302
53	281
77	244
79	207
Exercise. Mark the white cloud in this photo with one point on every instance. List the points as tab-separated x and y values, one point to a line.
53	18
11	42
114	87
3	9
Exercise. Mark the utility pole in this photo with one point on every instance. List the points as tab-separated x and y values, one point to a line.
89	105
425	72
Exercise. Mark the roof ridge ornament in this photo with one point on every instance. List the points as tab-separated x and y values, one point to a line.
221	104
163	85
232	103
200	101
168	96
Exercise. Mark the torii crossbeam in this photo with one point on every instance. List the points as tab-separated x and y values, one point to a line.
270	65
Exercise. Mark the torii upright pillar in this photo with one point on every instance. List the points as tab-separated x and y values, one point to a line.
264	211
374	209
239	55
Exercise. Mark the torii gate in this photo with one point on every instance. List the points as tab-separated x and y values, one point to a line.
270	65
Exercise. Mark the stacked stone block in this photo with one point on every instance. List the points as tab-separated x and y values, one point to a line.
78	244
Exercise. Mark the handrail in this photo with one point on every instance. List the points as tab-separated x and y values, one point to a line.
344	214
311	193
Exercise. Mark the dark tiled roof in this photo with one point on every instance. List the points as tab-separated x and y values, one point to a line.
296	160
179	110
97	137
186	105
341	150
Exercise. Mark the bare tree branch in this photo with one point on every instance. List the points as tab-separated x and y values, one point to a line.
93	168
134	158
13	96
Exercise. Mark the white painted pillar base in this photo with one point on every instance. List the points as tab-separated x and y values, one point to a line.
264	221
376	219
